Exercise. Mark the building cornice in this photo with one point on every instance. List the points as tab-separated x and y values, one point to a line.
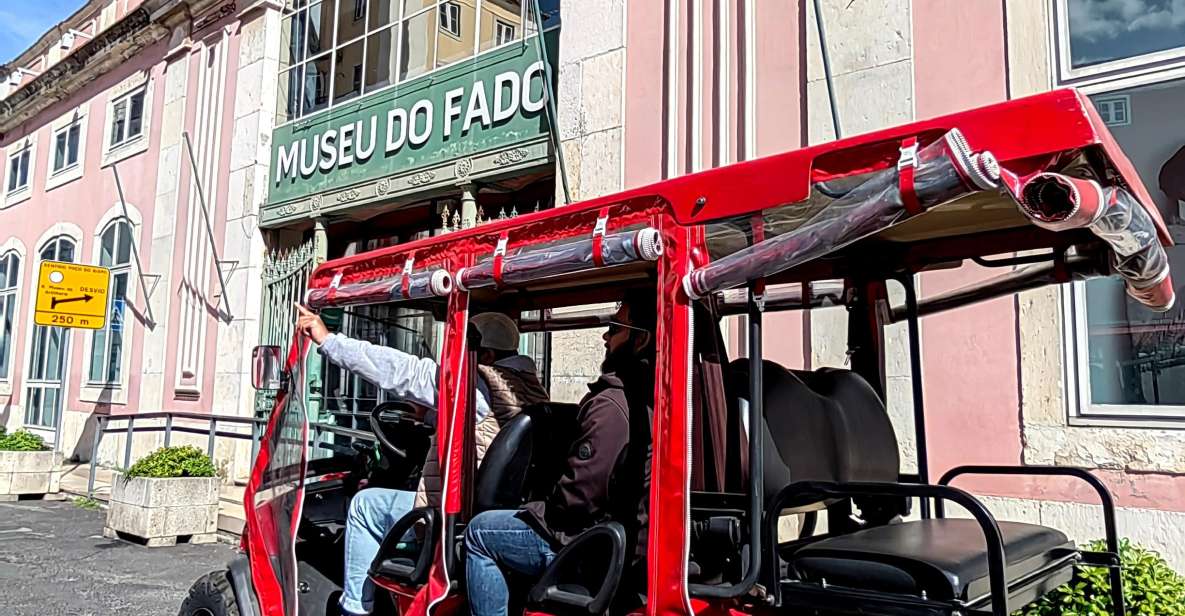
151	22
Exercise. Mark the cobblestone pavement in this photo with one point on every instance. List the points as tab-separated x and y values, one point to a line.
54	561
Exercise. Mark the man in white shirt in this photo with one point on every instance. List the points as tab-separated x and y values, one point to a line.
507	382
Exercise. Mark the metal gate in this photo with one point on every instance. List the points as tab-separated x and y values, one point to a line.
286	273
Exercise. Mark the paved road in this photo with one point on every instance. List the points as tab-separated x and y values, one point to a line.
55	562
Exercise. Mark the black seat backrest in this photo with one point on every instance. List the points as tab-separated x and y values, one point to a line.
824	425
866	442
518	464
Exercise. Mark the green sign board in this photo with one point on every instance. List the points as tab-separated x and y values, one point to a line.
493	101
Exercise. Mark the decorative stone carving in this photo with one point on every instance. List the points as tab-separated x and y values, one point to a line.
347	196
316	203
383	186
421	178
509	157
463	167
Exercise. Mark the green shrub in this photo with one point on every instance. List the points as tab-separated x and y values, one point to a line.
22	440
166	462
1150	587
88	503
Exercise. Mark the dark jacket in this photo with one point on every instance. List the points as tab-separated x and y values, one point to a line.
607	474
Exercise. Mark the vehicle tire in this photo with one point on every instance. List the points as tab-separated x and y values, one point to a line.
211	595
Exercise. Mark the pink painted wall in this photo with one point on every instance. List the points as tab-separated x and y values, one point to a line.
83	202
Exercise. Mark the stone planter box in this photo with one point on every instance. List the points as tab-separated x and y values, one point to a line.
161	512
28	473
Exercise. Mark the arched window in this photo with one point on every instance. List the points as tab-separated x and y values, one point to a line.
47	356
10	267
115	252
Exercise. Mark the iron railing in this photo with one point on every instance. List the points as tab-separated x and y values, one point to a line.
211	430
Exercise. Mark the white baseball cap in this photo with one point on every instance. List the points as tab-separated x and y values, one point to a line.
498	331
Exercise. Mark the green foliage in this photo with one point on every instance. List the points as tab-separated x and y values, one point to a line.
1150	587
83	502
22	440
167	462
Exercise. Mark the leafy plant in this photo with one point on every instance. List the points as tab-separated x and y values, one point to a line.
22	440
1150	587
187	461
84	502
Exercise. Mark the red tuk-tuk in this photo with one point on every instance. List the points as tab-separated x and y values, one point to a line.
1036	186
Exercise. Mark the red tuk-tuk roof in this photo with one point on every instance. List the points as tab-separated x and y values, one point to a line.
1026	136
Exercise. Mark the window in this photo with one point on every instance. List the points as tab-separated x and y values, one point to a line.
333	51
503	32
65	148
1115	110
1131	361
10	267
500	20
1099	36
18	169
107	344
450	18
127	117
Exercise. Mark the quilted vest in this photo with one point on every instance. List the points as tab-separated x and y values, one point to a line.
510	391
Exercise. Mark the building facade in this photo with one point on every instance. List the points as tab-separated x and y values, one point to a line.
123	133
1076	375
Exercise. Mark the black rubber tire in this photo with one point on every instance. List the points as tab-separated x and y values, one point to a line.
211	595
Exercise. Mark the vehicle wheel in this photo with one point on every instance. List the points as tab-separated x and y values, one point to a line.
211	595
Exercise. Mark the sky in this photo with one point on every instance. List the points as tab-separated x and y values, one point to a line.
1102	30
22	22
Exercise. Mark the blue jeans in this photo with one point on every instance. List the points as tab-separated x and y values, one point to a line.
373	512
496	540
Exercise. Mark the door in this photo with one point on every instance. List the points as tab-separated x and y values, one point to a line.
275	493
44	387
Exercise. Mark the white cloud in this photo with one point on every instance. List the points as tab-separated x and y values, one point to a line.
1099	20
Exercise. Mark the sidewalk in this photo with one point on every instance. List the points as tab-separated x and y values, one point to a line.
230	511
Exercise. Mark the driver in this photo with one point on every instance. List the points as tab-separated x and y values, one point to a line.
508	382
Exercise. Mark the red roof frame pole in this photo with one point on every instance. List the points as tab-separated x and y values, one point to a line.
668	538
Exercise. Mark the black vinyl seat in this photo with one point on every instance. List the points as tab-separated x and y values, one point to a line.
946	559
828	439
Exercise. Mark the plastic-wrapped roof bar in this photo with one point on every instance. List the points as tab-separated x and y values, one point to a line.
570	257
940	172
1058	203
419	285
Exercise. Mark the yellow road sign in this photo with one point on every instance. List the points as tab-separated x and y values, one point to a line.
72	295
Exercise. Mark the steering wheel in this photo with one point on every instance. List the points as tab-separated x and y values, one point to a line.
407	412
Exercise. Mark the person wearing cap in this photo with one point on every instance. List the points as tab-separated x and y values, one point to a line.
507	382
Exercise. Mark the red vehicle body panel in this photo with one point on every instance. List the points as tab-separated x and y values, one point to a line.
1026	136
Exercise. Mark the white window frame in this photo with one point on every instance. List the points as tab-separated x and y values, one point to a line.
63	135
69	173
1082	409
137	144
449	18
13	247
1103	79
1127	108
1066	74
24	149
114	392
500	27
126	102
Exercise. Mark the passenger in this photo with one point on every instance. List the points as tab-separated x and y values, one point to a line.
508	382
607	474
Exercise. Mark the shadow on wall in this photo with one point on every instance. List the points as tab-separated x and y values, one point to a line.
6	413
84	447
